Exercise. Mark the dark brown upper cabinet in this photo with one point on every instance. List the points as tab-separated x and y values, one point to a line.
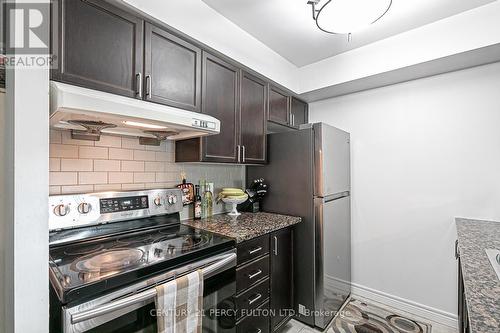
253	119
98	46
172	70
221	100
239	101
299	112
279	106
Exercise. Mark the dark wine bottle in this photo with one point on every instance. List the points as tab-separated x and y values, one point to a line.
197	203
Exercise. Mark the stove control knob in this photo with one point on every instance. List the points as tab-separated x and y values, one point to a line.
157	201
61	210
172	199
84	208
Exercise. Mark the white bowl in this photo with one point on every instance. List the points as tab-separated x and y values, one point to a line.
235	203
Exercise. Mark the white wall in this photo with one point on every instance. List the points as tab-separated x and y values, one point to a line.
423	152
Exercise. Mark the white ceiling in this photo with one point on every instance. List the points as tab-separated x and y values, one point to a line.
287	27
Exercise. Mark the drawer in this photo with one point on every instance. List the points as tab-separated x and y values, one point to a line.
252	249
252	298
249	274
257	323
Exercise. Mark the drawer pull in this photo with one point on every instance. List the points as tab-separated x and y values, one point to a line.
257	249
254	275
254	298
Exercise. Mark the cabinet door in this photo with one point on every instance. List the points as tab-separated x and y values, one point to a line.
281	276
220	99
172	69
279	106
99	46
253	119
299	111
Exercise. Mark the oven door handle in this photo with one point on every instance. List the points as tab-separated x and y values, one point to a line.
78	317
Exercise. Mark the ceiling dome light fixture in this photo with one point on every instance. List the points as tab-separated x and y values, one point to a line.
346	16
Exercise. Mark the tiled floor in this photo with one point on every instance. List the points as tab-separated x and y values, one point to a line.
295	326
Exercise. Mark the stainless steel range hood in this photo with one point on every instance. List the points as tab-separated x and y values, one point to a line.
88	113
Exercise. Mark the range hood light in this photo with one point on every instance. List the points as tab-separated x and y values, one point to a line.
144	125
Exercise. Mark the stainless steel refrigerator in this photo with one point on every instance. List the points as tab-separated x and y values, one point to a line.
308	175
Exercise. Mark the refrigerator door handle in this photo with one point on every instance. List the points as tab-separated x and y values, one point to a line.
336	196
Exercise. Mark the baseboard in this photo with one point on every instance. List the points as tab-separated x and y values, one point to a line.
420	310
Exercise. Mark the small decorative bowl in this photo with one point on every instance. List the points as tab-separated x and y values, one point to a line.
235	203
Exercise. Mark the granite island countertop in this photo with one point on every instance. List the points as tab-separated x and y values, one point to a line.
482	286
244	227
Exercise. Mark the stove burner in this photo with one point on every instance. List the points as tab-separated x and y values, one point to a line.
83	251
109	260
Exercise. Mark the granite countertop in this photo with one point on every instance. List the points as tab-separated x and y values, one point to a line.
244	227
482	286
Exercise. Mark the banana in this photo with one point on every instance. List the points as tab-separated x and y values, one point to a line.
231	193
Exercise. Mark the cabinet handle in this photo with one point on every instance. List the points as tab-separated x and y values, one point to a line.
254	298
254	275
138	82
148	86
255	250
275	245
239	153
244	153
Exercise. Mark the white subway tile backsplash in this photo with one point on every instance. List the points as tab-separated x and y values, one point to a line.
54	190
65	151
106	165
76	165
144	155
144	177
162	156
93	152
132	187
91	178
107	187
109	141
77	189
54	164
55	136
131	143
122	164
133	166
121	154
154	166
63	178
121	177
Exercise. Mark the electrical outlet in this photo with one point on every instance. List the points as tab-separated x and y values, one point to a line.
302	309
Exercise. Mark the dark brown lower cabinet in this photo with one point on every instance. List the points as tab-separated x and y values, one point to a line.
281	277
264	282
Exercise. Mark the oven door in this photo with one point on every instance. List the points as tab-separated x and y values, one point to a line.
135	312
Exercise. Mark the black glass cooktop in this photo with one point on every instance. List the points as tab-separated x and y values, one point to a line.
120	259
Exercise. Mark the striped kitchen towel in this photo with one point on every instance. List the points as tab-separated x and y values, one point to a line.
179	304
